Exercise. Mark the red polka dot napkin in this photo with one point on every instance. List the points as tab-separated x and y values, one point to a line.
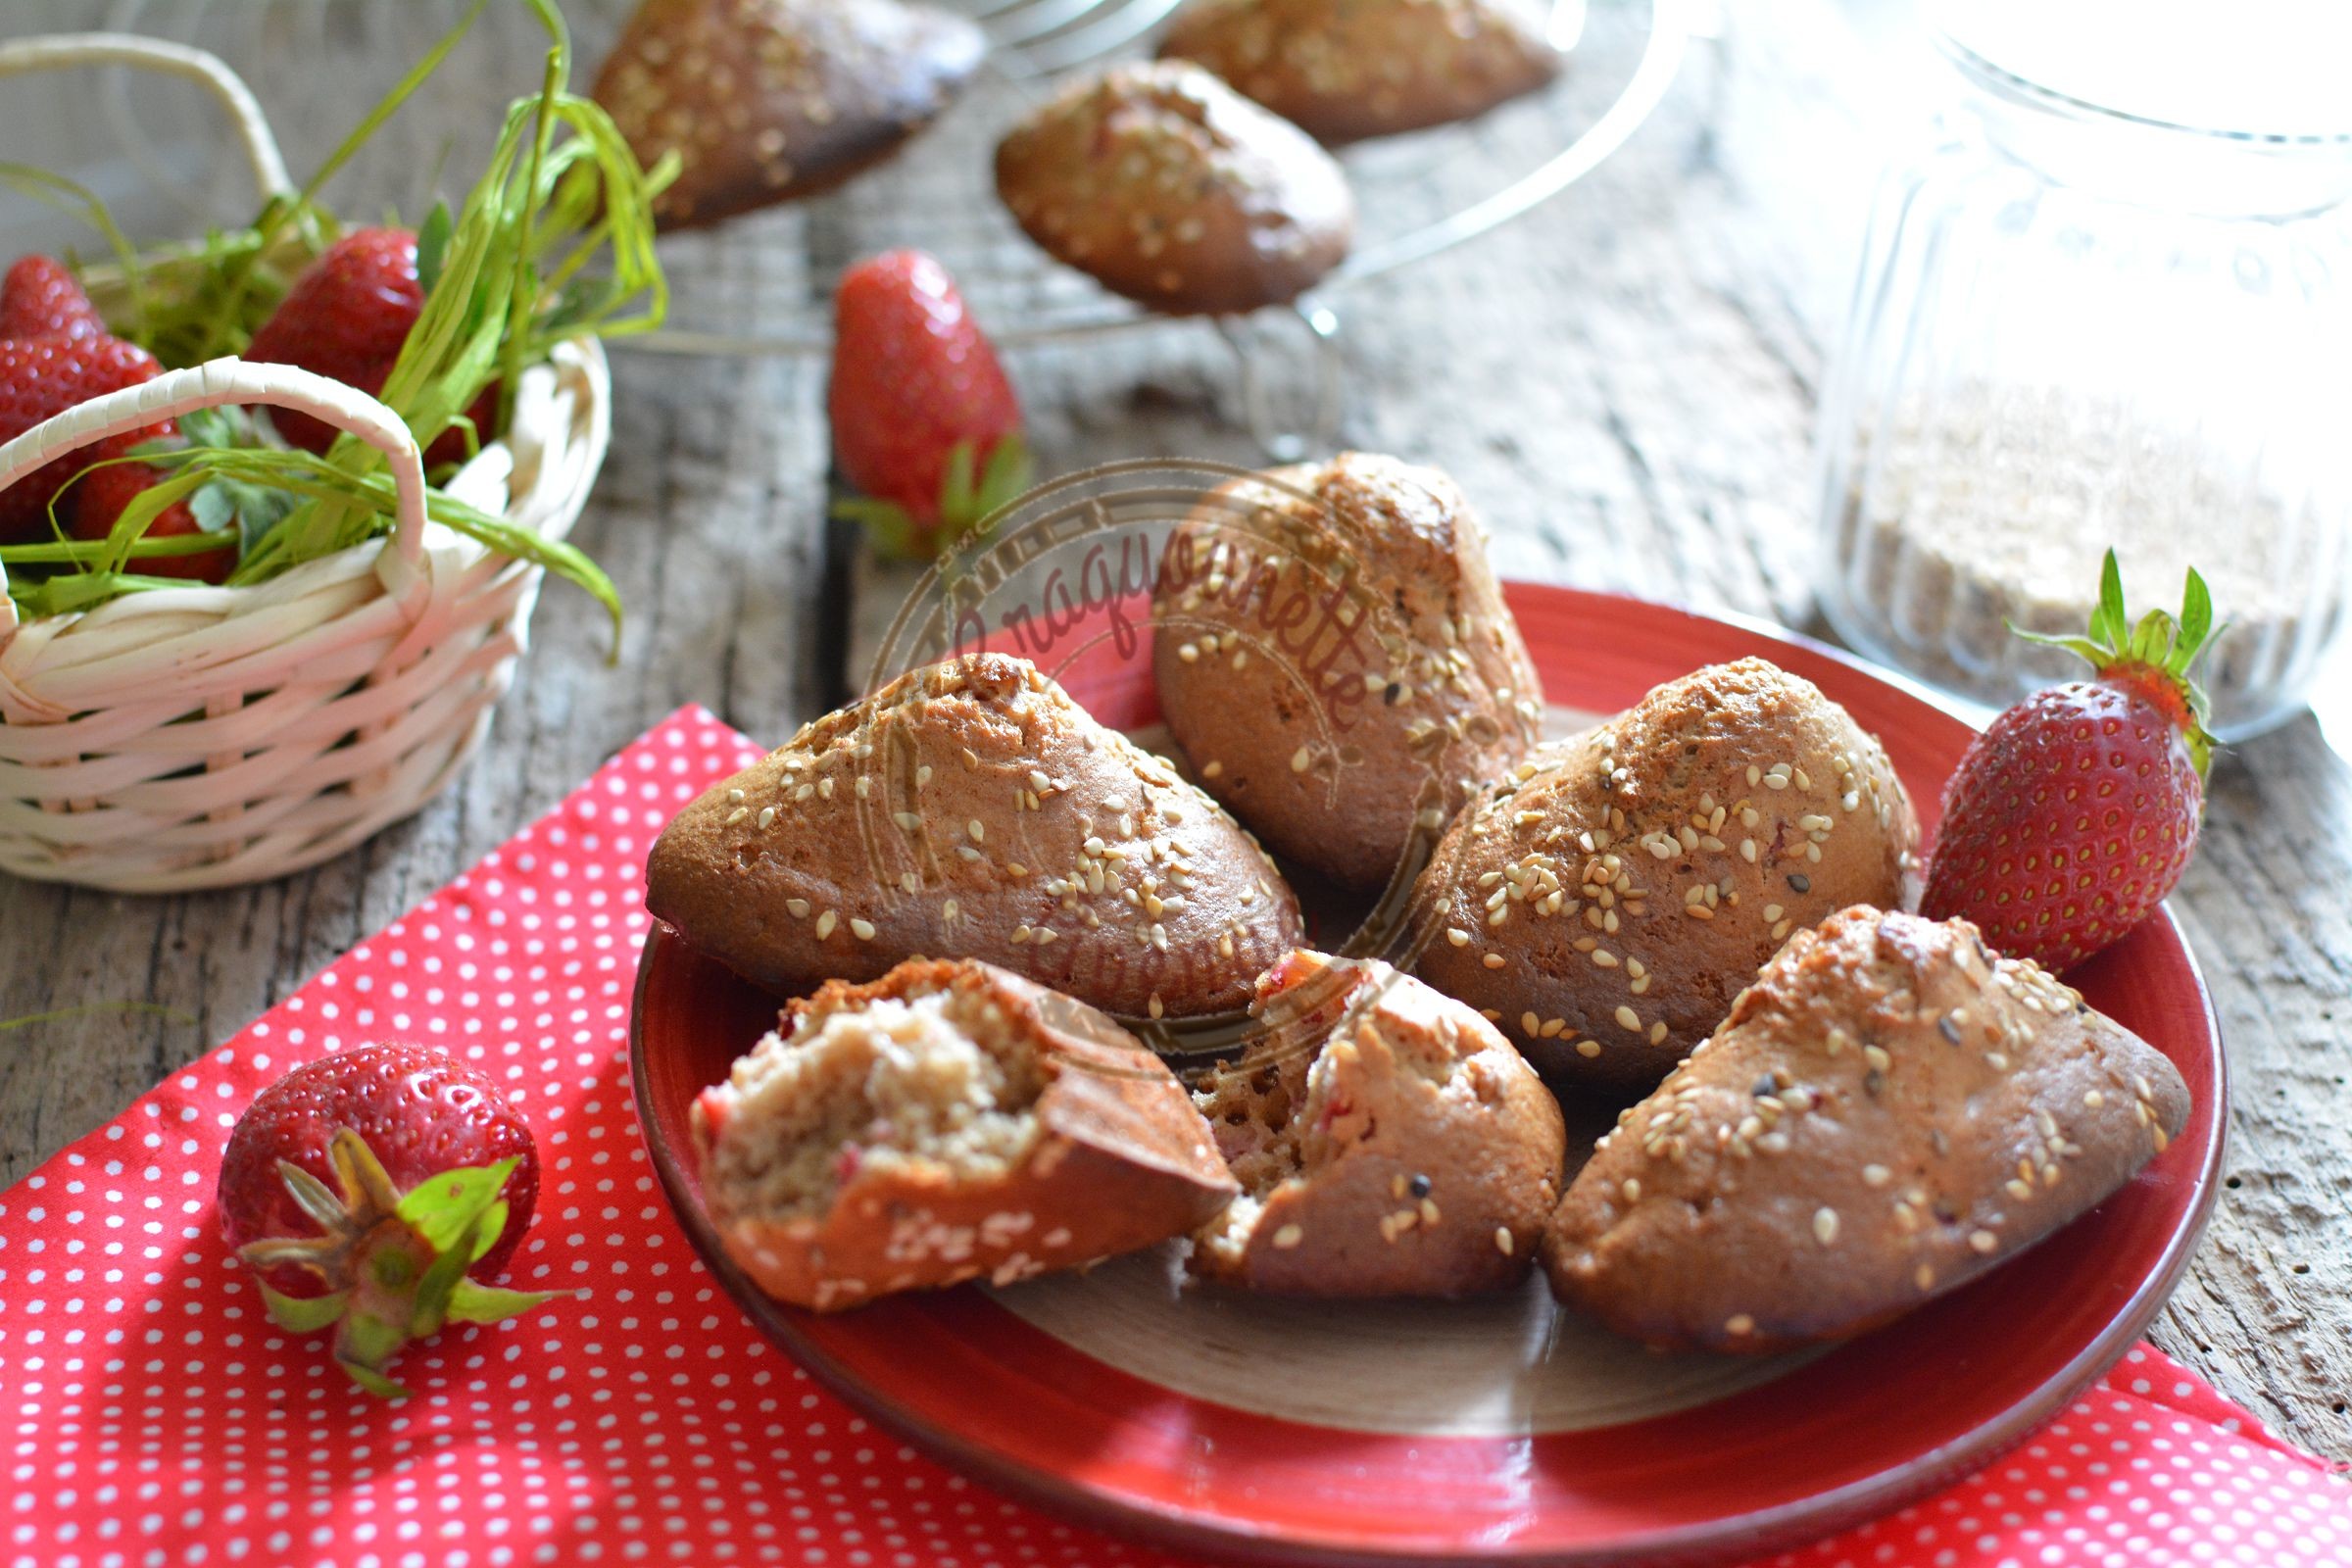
156	1417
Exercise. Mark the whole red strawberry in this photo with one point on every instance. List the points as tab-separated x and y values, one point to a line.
373	1190
2074	815
39	298
924	421
41	377
348	316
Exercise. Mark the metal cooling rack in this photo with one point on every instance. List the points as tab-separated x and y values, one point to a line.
763	285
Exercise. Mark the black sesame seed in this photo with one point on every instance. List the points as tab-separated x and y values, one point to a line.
1800	882
1764	1086
1948	1029
1420	1187
1872	1081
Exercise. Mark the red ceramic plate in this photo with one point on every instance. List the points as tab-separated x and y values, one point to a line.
1500	1431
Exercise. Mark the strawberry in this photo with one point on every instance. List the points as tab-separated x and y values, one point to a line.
44	376
39	298
103	493
2073	815
924	421
433	1174
348	316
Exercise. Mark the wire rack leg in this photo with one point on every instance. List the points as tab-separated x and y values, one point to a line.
1294	390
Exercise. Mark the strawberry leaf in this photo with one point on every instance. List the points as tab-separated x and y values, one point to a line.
2107	623
1007	478
434	1289
365	1182
444	1208
474	1302
368	1378
316	1199
492	1225
888	526
298	1314
368	1340
2196	621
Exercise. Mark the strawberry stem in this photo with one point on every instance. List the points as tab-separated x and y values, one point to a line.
394	1262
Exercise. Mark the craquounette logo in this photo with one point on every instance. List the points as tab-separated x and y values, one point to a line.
1086	576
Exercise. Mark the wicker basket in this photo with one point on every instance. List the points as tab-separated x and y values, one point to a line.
205	737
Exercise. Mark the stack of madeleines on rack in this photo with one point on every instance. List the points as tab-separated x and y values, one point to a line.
1692	913
1196	184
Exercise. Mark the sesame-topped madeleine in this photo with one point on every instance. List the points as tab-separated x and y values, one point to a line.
1387	1140
1606	902
1890	1110
1174	190
772	100
947	1122
1333	654
1344	70
971	808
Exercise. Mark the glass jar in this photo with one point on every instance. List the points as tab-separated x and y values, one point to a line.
2107	306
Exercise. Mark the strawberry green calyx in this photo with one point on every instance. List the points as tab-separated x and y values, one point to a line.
966	501
2152	656
394	1263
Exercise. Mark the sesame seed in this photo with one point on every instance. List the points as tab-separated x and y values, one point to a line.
1530	1023
2094	1100
1588	1049
1825	1226
1289	1237
1629	1019
768	814
825	923
1457	936
738	815
1877	1056
906	821
1504	1242
1658	1033
1740	1325
1983	1241
1924	1277
1876	1175
863	930
1300	760
1632	1189
1493	961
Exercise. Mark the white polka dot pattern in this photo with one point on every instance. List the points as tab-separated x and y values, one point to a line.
156	1417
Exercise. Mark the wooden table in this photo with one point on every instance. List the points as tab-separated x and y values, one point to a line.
1624	382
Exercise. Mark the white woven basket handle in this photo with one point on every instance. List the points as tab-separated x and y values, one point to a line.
234	380
57	51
